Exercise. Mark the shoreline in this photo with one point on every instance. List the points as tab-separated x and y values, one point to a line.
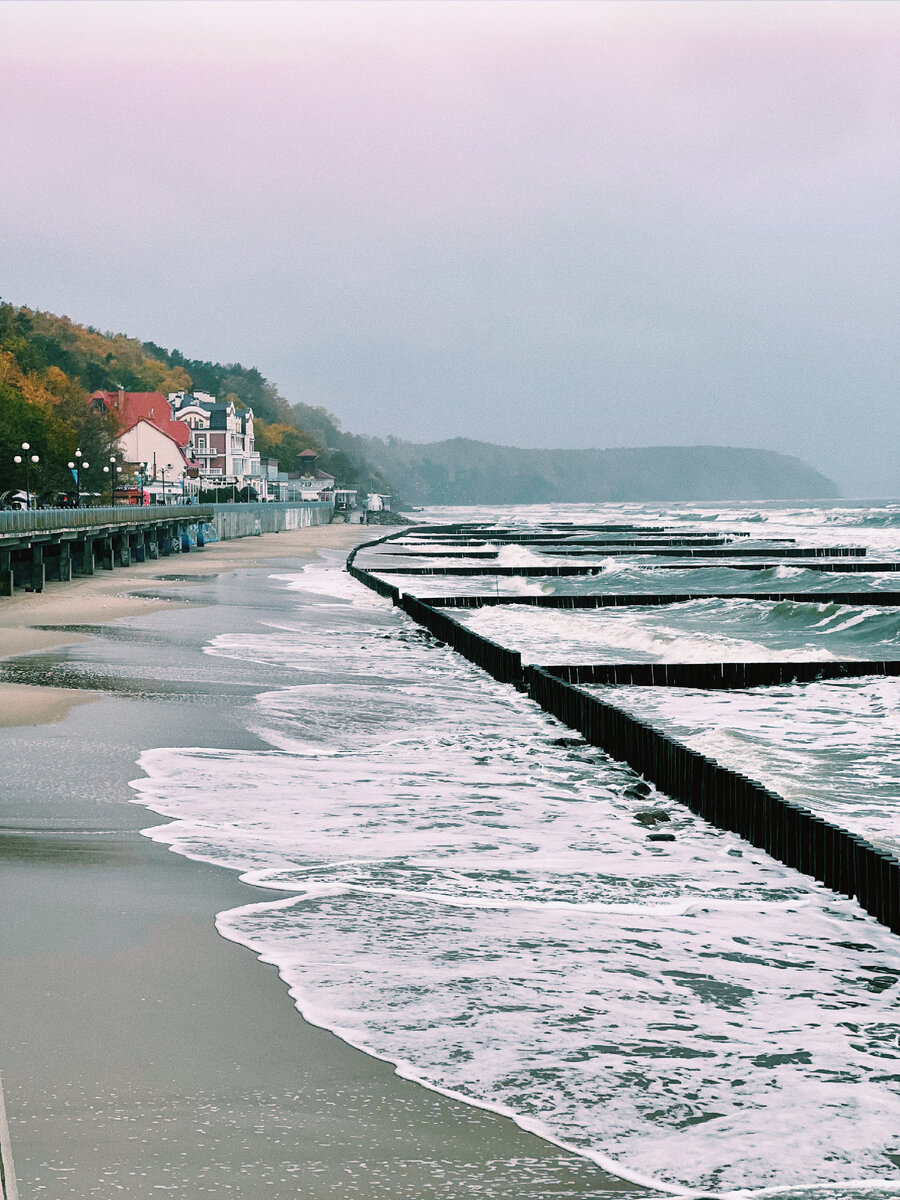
142	1050
106	596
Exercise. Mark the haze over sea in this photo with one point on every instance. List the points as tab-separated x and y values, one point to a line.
478	902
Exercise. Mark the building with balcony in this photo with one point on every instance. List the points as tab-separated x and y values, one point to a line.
221	442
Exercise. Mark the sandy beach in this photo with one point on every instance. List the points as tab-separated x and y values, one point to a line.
107	595
140	1052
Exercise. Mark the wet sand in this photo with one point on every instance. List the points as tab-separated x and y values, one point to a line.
100	598
141	1053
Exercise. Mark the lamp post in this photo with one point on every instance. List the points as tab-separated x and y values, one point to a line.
167	467
76	468
26	458
113	470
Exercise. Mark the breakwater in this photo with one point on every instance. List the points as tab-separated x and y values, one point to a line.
532	570
839	859
728	799
643	599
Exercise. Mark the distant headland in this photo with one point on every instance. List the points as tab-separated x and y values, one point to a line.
50	367
461	471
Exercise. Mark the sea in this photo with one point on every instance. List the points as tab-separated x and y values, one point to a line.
467	890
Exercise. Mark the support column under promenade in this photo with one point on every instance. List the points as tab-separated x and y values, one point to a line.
88	563
107	553
61	566
7	582
122	549
38	573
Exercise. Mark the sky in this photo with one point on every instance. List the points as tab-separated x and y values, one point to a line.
544	224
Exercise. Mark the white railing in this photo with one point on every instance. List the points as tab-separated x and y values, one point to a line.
233	519
48	520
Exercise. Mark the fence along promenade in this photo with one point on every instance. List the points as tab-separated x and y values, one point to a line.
789	832
58	543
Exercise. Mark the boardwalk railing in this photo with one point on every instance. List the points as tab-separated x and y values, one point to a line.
56	520
56	543
271	517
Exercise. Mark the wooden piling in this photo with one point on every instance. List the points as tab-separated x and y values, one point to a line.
790	832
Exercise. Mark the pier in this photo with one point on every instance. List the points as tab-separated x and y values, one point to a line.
57	544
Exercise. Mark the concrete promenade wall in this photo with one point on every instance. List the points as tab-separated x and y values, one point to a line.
229	520
246	520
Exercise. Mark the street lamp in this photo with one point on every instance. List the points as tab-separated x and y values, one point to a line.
113	470
26	458
162	471
76	468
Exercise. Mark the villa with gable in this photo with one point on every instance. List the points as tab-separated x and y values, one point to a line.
149	435
221	439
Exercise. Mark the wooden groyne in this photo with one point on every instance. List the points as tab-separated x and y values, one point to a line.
651	599
730	800
728	676
793	834
551	571
44	545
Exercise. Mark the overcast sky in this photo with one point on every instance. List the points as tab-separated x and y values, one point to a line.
541	224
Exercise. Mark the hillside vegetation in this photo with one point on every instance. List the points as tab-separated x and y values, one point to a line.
461	471
49	365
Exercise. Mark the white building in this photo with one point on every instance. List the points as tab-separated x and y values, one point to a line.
222	443
151	441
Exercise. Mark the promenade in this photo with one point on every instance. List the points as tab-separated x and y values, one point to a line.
56	544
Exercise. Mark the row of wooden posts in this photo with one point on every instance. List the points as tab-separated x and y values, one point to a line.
789	832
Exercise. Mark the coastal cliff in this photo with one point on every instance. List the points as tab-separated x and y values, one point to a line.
461	471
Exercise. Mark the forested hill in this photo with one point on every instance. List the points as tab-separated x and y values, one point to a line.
49	365
282	429
466	472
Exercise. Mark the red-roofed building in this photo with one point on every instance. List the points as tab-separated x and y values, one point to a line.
148	434
130	407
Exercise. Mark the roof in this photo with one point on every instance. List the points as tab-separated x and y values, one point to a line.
131	407
308	454
159	429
